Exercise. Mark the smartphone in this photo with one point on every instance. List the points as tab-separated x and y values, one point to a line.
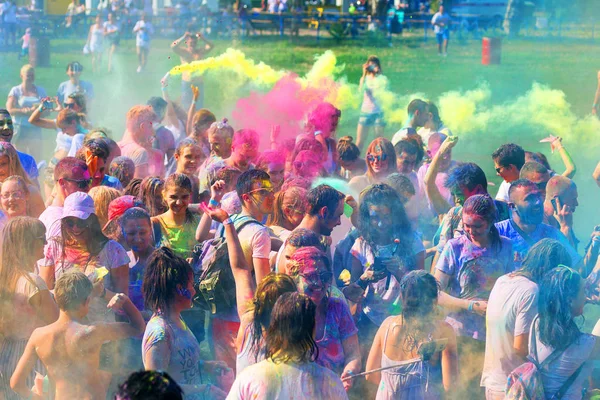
47	104
554	206
378	264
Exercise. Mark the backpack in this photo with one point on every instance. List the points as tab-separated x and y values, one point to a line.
214	283
525	381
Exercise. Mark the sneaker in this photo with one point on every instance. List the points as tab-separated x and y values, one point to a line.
139	69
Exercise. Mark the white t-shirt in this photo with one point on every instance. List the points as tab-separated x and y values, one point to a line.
440	18
502	194
267	380
142	36
426	133
51	220
512	306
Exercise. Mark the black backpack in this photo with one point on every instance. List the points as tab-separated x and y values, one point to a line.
214	283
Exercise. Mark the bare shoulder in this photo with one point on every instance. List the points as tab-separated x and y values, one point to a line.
445	330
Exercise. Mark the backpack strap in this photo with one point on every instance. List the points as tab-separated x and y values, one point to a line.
240	221
563	389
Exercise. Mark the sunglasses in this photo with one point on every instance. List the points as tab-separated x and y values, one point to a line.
69	105
81	184
5	122
499	169
378	158
268	190
324	277
76	222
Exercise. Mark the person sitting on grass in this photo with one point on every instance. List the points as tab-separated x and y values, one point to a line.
69	348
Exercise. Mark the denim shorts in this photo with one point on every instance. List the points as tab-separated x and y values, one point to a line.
444	35
371	119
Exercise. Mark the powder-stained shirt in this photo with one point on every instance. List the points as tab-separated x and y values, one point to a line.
290	381
179	238
140	156
512	306
183	350
339	326
113	255
380	303
473	271
523	242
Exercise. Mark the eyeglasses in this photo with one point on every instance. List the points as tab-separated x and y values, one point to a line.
82	184
499	169
69	105
18	195
76	222
379	157
323	277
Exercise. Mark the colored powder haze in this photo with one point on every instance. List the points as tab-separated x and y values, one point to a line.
261	96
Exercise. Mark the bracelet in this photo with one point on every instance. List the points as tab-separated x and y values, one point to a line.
471	305
213	203
362	283
228	221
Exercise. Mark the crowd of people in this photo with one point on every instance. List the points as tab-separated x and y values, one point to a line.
399	277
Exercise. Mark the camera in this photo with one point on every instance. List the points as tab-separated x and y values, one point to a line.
371	68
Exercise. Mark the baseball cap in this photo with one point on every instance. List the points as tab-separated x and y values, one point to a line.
118	206
78	205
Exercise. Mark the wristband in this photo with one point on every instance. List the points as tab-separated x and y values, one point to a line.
362	283
228	221
471	305
213	203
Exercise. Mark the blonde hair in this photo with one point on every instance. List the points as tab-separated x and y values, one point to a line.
16	261
26	68
20	181
293	197
14	164
102	196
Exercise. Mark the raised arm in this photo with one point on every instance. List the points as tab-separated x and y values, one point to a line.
242	273
439	203
102	333
217	190
36	117
189	126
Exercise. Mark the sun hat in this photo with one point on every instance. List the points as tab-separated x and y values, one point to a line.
79	205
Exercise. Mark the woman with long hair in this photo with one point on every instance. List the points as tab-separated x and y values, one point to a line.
372	83
168	343
381	162
177	224
467	270
556	334
10	165
408	343
289	370
150	193
386	250
336	333
189	156
83	246
512	306
102	196
288	210
25	302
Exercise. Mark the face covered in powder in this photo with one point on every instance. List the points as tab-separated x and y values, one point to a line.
313	277
244	154
276	171
378	160
138	234
306	164
528	204
380	218
475	226
262	196
6	128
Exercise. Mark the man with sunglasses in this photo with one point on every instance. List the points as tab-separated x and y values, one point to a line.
535	172
6	135
508	161
74	85
71	175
